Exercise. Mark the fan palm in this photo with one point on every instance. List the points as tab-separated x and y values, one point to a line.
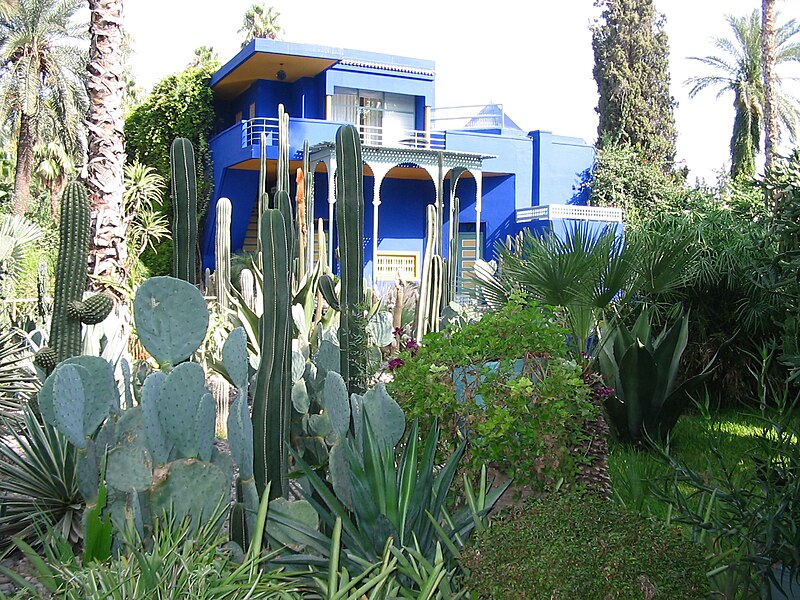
42	80
18	382
260	21
54	166
739	69
588	272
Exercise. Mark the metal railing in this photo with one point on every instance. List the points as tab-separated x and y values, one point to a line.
252	130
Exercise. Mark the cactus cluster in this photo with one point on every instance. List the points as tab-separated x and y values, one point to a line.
159	453
184	209
432	287
70	309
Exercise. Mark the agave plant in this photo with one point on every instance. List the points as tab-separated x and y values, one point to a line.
40	490
401	498
643	372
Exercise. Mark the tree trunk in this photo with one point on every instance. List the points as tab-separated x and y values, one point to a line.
22	178
771	131
106	87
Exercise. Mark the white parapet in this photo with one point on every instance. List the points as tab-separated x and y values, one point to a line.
552	212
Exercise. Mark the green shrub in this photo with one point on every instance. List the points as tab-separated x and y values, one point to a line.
569	546
522	411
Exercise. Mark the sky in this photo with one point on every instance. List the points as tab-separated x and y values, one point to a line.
534	57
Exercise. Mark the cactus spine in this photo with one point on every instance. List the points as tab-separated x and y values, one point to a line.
350	228
222	276
184	206
69	308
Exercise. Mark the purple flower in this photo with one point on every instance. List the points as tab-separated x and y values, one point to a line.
413	346
603	392
394	363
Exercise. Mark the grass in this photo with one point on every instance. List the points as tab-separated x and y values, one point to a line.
635	473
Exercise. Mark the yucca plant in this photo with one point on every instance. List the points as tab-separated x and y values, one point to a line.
39	487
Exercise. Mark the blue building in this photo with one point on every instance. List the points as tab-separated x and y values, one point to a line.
415	154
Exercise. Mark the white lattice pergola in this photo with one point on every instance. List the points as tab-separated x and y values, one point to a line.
380	160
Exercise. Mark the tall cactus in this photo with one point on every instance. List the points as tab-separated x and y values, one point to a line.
350	227
184	206
69	307
270	402
431	286
452	255
222	276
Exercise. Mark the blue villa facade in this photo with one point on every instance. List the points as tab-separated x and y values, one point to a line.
415	154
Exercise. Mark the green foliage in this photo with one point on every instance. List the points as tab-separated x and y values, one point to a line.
179	562
747	515
569	546
779	274
181	105
631	55
18	381
739	69
642	369
523	414
38	468
626	178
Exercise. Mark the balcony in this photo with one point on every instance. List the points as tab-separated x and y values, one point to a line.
320	131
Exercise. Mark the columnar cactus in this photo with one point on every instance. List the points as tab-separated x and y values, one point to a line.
270	401
452	255
184	207
70	310
430	288
222	275
350	227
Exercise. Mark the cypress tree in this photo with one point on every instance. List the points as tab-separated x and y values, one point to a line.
631	55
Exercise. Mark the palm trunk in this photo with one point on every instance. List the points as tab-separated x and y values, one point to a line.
106	150
768	58
22	179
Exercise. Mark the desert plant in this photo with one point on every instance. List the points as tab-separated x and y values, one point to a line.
38	468
573	546
18	382
643	372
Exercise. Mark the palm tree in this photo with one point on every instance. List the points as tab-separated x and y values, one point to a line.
54	167
104	176
739	69
771	129
42	80
260	21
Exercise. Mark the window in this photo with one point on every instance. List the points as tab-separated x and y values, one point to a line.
384	118
393	264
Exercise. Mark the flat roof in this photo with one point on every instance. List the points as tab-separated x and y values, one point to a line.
263	58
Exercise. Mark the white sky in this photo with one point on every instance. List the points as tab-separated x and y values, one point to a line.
534	57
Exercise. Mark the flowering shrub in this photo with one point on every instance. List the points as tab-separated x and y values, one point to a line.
505	384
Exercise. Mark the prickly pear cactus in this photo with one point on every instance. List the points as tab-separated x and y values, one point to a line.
160	453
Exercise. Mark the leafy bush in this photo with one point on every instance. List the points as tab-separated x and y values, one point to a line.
571	546
503	383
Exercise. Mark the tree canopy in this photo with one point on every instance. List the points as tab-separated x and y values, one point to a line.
631	53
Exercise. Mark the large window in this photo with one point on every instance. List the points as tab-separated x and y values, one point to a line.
384	118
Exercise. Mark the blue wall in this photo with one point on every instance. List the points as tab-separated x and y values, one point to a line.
561	168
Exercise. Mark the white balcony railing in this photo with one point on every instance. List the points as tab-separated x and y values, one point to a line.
253	129
551	212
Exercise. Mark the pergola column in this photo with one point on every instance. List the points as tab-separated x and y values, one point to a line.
330	164
478	175
379	172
